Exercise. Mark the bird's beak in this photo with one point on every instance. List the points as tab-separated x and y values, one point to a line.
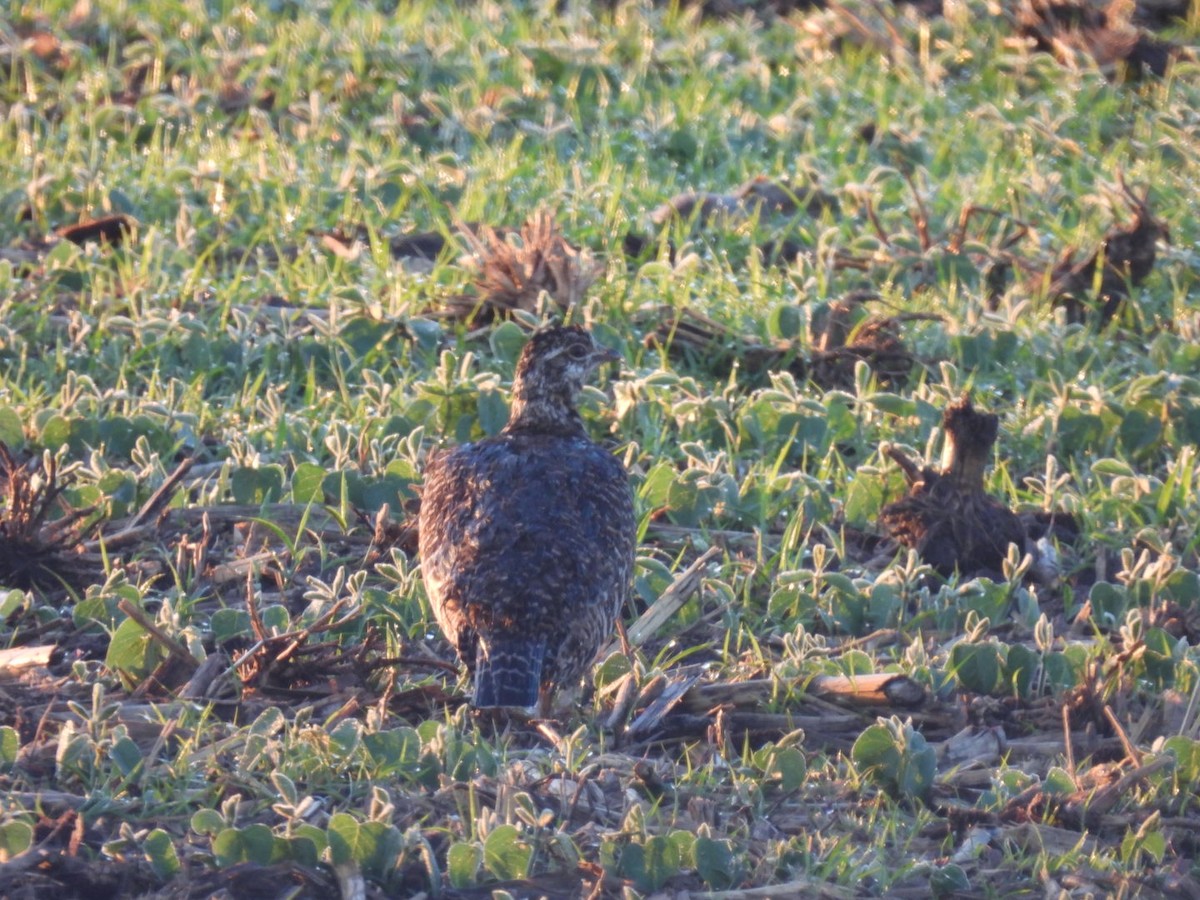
602	355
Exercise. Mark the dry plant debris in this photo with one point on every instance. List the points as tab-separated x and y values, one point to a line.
1125	258
108	230
839	343
514	270
947	516
687	333
845	337
39	535
760	196
1103	32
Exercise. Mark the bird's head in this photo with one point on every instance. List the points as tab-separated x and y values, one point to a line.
562	356
552	369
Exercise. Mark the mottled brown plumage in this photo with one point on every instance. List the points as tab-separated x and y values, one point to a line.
527	538
947	516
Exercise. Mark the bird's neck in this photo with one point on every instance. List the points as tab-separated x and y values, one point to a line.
549	412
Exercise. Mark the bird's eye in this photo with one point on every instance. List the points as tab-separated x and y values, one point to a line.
578	351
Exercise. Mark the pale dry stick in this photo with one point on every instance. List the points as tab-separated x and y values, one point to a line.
878	689
256	622
138	526
351	884
623	705
173	647
1066	722
24	657
686	583
790	890
546	730
204	677
881	637
1135	757
651	717
161	496
1090	808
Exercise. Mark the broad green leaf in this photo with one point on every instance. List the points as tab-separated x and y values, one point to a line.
10	745
394	749
949	881
373	845
684	842
507	340
304	850
977	666
229	624
132	651
493	412
345	738
715	863
286	788
615	666
1109	603
12	432
892	404
256	486
126	755
15	838
259	844
1058	782
1183	586
347	841
898	757
1019	669
1060	673
160	852
227	847
308	483
661	862
864	500
207	821
1139	431
657	485
318	838
785	321
427	332
790	767
506	854
10	602
876	748
462	864
269	722
1187	760
119	490
1111	468
918	767
650	865
1159	658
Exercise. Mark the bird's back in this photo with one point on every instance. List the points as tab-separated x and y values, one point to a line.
527	541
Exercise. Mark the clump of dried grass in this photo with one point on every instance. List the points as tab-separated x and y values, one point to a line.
516	269
36	549
1125	258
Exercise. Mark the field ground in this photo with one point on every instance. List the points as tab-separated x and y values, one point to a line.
258	260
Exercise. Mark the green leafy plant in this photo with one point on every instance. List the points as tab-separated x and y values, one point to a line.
897	757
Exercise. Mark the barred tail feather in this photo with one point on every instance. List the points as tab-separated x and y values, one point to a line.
508	672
